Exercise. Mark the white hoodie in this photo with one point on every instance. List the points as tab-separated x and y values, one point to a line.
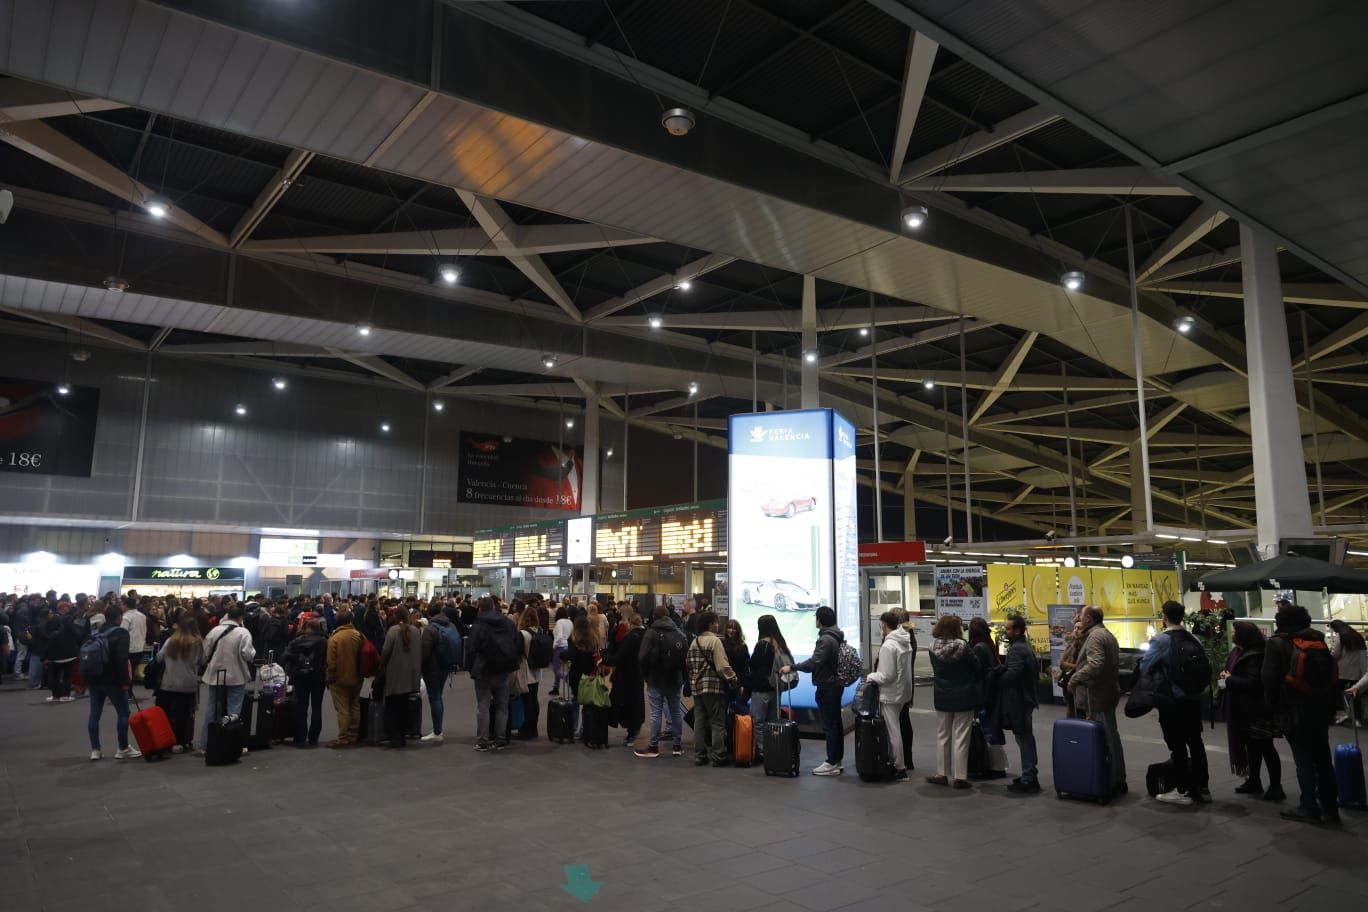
893	673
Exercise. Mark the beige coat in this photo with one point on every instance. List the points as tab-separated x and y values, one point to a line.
1097	681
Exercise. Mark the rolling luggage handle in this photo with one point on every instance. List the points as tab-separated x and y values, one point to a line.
1353	721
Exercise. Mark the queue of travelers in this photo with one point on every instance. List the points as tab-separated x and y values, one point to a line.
1285	686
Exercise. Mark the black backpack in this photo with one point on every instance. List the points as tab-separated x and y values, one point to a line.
1189	667
671	648
540	648
501	649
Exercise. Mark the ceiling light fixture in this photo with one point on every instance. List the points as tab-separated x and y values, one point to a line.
864	330
678	436
684	285
915	216
116	283
693	387
1071	562
279	383
810	356
678	121
449	273
608	453
655	321
928	383
157	209
1127	561
63	389
548	361
384	427
438	406
569	422
363	328
240	409
1072	280
1185	325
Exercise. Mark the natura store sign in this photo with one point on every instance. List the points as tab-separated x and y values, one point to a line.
185	574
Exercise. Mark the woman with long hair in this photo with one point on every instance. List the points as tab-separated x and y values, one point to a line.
986	651
582	656
1352	658
178	689
401	664
770	654
529	622
1249	720
956	697
738	656
628	694
560	633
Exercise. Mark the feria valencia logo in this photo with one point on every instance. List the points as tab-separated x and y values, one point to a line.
843	436
761	434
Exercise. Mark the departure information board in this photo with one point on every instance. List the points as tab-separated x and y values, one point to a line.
673	531
626	537
492	548
693	531
538	543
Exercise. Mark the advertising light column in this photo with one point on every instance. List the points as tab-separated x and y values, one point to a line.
793	531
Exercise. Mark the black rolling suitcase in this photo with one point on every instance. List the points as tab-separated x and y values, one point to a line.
560	720
872	761
595	726
782	748
413	727
372	727
227	735
258	717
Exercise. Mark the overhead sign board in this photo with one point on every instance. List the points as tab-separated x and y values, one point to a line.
690	529
893	552
185	574
516	472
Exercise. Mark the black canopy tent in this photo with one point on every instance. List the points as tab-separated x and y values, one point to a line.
1288	571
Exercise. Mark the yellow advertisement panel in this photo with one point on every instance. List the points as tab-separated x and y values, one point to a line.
1139	601
1075	584
1041	587
1164	583
1004	591
1108	592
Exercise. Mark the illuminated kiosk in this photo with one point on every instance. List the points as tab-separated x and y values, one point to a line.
792	531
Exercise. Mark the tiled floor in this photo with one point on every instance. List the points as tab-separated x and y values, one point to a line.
447	828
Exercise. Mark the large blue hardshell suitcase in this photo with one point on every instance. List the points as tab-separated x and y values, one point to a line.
1349	769
1081	765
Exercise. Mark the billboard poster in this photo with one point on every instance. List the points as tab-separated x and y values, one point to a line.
1061	619
1006	594
1076	583
517	472
1164	585
1041	585
1108	592
1139	595
45	432
792	534
961	590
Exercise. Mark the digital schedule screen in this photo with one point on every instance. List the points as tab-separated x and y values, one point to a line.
492	547
538	543
701	531
625	537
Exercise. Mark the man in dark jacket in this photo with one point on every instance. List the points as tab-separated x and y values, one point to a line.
1305	710
306	662
1017	700
1180	713
822	666
491	652
112	683
661	658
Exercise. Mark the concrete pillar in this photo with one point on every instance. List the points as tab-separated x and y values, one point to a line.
1280	494
909	507
589	497
808	369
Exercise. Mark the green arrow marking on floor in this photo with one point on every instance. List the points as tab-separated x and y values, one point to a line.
579	884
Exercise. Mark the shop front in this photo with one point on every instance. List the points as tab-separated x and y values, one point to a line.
184	581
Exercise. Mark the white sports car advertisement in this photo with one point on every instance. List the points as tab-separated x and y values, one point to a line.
792	519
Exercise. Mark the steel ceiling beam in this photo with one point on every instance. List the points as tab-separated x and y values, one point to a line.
1347	334
455	376
1006	131
295	163
1205	218
498	225
1119	181
263	349
1075	405
1153	427
1005	375
788	320
21	100
531	240
901	343
1321	295
81	327
54	147
377	365
921	56
659	285
1177	269
986	380
400	128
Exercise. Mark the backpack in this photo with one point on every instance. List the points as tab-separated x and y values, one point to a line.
672	646
1189	668
501	649
1312	670
848	667
783	682
450	649
368	659
95	655
540	649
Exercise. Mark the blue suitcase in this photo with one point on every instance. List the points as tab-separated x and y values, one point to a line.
1081	768
1349	769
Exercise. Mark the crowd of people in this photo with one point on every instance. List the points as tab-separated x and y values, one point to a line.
1284	686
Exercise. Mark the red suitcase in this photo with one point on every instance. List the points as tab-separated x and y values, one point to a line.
152	730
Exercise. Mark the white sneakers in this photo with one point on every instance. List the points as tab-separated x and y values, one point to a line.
1173	797
827	769
96	755
50	700
127	753
67	700
432	738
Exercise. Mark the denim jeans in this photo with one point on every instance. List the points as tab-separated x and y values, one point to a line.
214	706
659	701
308	720
829	708
435	682
1026	743
119	698
559	670
763	708
492	689
35	670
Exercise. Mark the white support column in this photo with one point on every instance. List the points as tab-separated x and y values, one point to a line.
807	370
1280	494
589	498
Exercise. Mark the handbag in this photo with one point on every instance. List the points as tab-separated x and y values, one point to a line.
783	682
593	691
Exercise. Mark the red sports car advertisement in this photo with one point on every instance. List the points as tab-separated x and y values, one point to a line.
515	472
47	428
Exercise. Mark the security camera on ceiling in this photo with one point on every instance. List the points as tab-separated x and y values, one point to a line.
6	204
